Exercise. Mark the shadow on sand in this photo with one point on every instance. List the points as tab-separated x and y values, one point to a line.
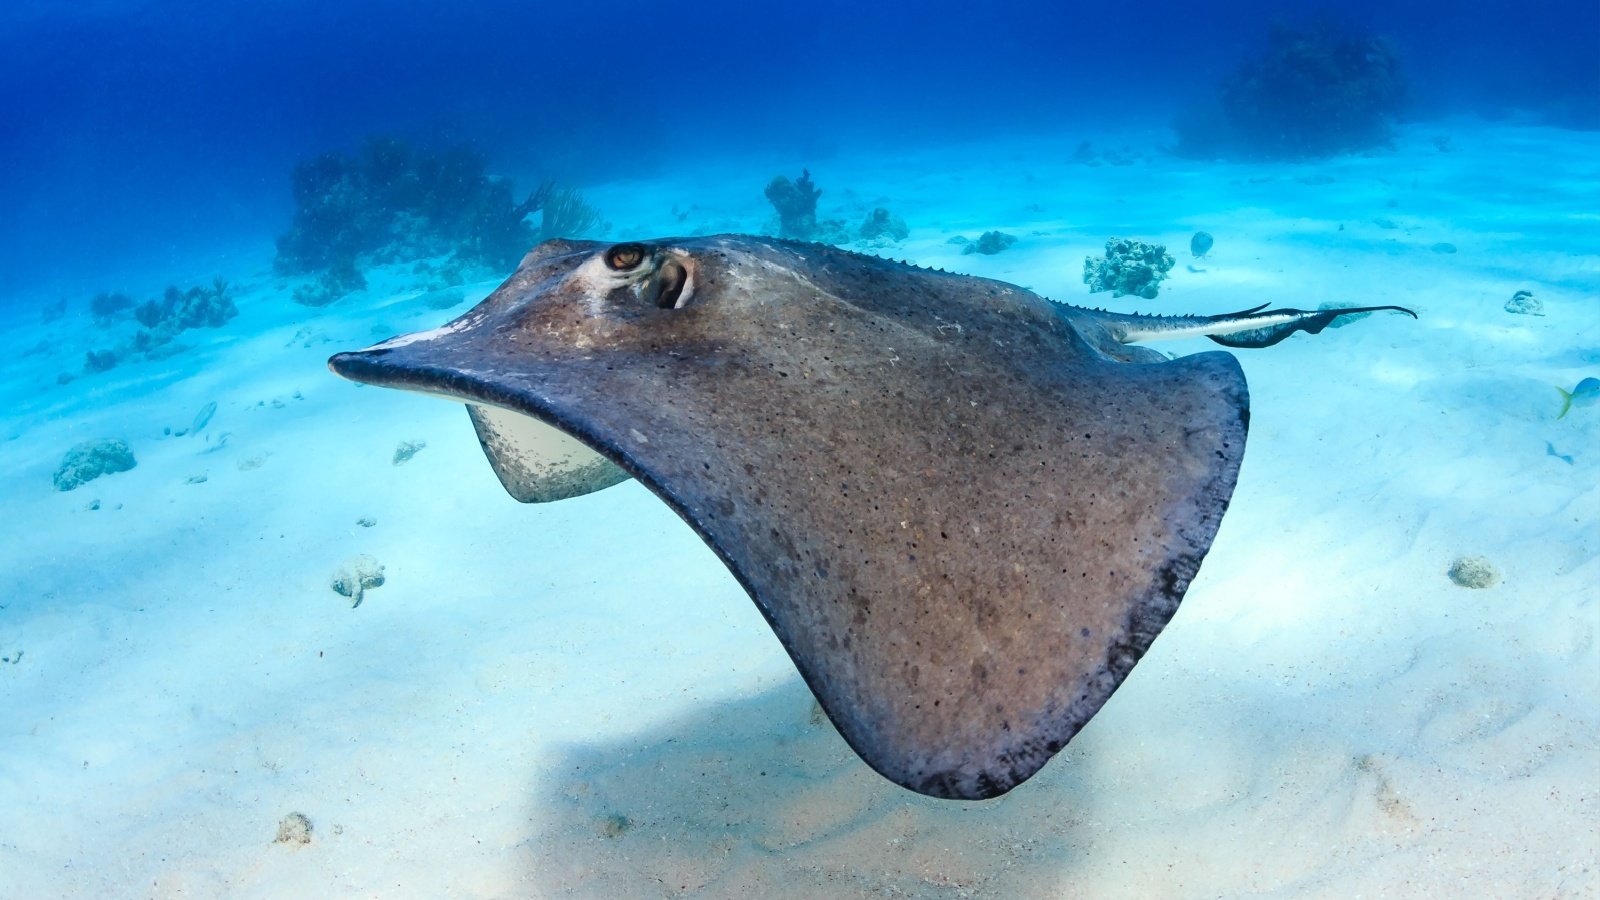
761	798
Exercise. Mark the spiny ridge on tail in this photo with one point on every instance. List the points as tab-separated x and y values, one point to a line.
1250	328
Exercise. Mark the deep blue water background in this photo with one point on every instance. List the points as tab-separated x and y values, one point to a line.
138	137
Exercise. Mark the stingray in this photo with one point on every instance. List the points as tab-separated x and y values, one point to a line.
965	510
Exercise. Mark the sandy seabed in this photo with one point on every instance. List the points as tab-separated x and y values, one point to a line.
577	700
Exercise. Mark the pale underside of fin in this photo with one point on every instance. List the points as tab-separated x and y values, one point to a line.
536	462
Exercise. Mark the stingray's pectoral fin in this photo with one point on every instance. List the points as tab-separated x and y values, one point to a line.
537	462
1258	328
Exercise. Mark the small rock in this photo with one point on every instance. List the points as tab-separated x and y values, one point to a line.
358	575
366	521
1524	303
406	450
1474	572
614	825
294	829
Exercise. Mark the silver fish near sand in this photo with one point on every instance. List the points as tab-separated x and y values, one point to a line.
966	511
1585	394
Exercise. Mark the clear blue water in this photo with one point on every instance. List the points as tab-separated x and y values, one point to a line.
149	135
1332	715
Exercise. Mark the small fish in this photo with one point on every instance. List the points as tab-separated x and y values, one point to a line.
1585	394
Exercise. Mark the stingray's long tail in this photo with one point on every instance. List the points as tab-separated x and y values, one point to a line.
1258	327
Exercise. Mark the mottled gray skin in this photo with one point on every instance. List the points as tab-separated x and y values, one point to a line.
965	510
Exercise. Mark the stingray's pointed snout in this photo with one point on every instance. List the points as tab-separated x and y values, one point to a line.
535	460
370	366
391	367
349	364
422	361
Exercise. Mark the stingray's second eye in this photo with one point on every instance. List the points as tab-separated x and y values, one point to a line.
623	257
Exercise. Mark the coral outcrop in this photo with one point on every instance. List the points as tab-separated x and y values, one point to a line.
1524	303
358	575
197	307
1128	267
107	306
295	828
883	226
989	243
391	202
160	321
796	204
91	459
96	361
1315	91
340	279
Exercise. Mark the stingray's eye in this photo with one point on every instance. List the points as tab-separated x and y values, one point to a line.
623	257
